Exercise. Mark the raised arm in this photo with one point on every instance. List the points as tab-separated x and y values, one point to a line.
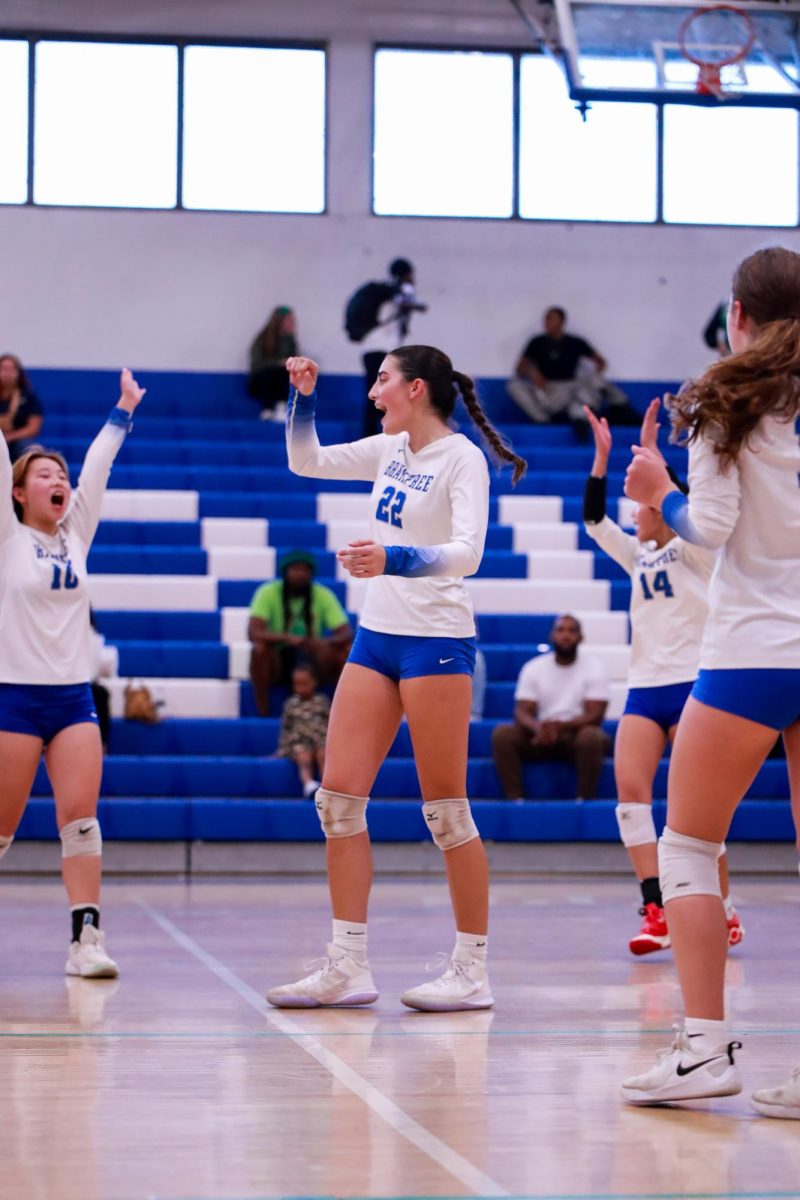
708	515
620	546
8	519
350	460
84	513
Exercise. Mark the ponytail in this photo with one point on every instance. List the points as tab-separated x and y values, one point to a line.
497	446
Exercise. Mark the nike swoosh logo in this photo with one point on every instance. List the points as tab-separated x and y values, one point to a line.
682	1070
86	829
442	661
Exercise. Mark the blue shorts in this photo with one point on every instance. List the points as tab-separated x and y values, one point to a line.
399	656
43	710
663	705
770	696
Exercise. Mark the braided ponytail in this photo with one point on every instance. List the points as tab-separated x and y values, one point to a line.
498	447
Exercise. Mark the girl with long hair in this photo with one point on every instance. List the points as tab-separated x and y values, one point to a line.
742	422
413	656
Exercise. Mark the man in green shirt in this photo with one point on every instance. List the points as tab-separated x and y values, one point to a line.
295	620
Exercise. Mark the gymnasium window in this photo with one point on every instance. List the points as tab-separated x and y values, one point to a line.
731	165
105	124
571	169
254	129
13	122
444	133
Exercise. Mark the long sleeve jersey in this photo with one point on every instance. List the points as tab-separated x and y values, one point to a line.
44	594
430	510
669	603
750	514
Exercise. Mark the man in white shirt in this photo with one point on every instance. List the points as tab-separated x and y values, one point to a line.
560	701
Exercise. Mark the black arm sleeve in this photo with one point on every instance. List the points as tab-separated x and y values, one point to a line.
679	484
594	500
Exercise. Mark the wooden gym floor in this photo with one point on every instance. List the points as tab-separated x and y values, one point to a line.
177	1082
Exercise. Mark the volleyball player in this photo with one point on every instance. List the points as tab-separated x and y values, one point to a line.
46	530
742	419
413	655
669	603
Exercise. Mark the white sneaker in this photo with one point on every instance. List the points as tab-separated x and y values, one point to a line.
338	982
783	1101
681	1073
464	985
311	788
88	957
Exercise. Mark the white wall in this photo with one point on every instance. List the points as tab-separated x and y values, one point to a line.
187	290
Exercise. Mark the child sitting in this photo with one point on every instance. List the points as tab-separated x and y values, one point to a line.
304	728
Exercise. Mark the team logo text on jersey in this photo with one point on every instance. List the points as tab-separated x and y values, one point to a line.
58	555
416	483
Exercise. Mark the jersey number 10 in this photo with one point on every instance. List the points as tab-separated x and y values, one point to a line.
70	578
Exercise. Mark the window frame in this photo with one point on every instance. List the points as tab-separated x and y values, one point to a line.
34	37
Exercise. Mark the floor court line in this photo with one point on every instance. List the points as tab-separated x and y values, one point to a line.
257	1034
438	1151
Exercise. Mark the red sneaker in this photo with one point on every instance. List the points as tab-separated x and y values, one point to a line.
735	929
654	934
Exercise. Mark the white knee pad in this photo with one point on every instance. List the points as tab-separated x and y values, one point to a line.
341	816
5	844
81	838
450	822
636	825
687	866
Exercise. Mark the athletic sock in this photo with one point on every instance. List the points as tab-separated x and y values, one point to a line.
471	945
84	914
351	936
707	1036
728	906
651	891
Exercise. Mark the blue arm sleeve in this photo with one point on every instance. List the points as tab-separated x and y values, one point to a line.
675	511
413	561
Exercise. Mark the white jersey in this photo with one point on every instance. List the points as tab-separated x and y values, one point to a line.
750	513
435	503
44	596
669	603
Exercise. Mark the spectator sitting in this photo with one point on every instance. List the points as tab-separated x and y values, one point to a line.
715	334
558	373
268	381
295	619
304	728
560	701
104	664
20	411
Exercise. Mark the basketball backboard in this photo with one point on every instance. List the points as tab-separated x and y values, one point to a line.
637	50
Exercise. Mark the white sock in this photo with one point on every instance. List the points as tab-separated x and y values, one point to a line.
471	945
728	906
351	936
707	1036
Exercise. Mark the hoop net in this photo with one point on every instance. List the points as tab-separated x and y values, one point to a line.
720	35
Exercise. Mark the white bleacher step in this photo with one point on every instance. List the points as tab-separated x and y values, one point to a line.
339	532
545	535
233	532
517	595
544	565
522	510
242	562
167	593
183	697
599	628
616	703
141	504
344	506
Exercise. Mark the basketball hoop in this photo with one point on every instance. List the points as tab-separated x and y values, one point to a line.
713	37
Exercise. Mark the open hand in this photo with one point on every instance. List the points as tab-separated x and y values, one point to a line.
303	374
601	432
131	393
363	559
650	427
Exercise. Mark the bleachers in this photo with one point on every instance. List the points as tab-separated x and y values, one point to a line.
198	511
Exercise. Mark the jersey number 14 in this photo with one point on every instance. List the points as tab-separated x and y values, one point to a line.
661	584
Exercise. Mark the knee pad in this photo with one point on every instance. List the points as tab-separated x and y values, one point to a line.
450	822
81	839
5	844
636	826
341	816
687	866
